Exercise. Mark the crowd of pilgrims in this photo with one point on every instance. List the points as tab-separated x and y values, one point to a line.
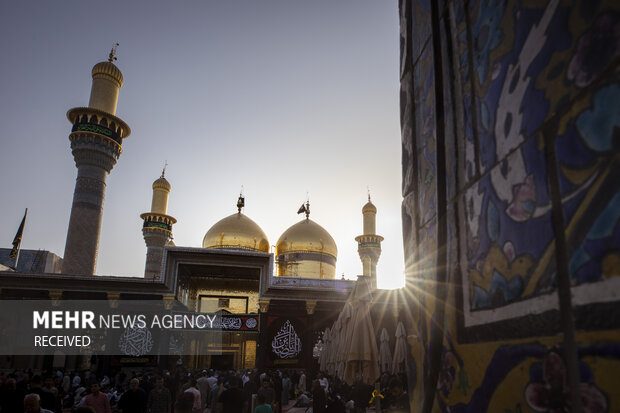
185	391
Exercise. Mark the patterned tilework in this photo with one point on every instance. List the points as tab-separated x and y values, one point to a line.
531	91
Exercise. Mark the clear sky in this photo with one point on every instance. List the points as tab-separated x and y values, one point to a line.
284	97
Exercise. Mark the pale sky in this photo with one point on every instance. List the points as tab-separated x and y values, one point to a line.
284	97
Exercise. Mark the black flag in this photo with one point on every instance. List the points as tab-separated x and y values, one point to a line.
301	209
18	238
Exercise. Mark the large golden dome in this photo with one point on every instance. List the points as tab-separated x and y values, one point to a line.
306	250
236	231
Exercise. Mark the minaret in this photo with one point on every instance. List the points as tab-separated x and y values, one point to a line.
157	227
96	143
369	244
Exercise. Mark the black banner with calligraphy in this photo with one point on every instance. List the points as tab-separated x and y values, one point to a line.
285	338
224	321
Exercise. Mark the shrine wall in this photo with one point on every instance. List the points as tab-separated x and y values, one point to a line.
511	203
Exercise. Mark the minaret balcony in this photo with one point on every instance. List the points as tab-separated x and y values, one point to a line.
100	122
157	222
369	245
369	240
96	137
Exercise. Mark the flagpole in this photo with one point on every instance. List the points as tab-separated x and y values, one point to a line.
17	242
20	239
17	259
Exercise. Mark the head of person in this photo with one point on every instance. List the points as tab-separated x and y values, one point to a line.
32	403
159	383
260	399
315	384
266	383
49	382
94	388
396	387
134	384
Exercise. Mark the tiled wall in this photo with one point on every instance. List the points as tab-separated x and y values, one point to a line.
510	119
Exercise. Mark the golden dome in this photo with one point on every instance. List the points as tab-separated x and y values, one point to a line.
306	235
236	231
110	70
162	183
307	250
369	207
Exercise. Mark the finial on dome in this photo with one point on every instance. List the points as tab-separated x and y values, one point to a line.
305	208
163	172
112	55
368	188
240	200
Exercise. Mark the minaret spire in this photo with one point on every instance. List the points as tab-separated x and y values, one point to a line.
112	56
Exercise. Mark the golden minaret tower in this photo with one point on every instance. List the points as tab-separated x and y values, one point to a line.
96	143
369	244
157	227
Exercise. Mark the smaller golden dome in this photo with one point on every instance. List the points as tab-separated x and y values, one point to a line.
162	183
236	231
369	207
306	236
108	69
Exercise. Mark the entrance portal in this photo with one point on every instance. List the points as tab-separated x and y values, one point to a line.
223	362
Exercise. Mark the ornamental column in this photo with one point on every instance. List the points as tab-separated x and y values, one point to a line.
157	228
96	144
369	244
